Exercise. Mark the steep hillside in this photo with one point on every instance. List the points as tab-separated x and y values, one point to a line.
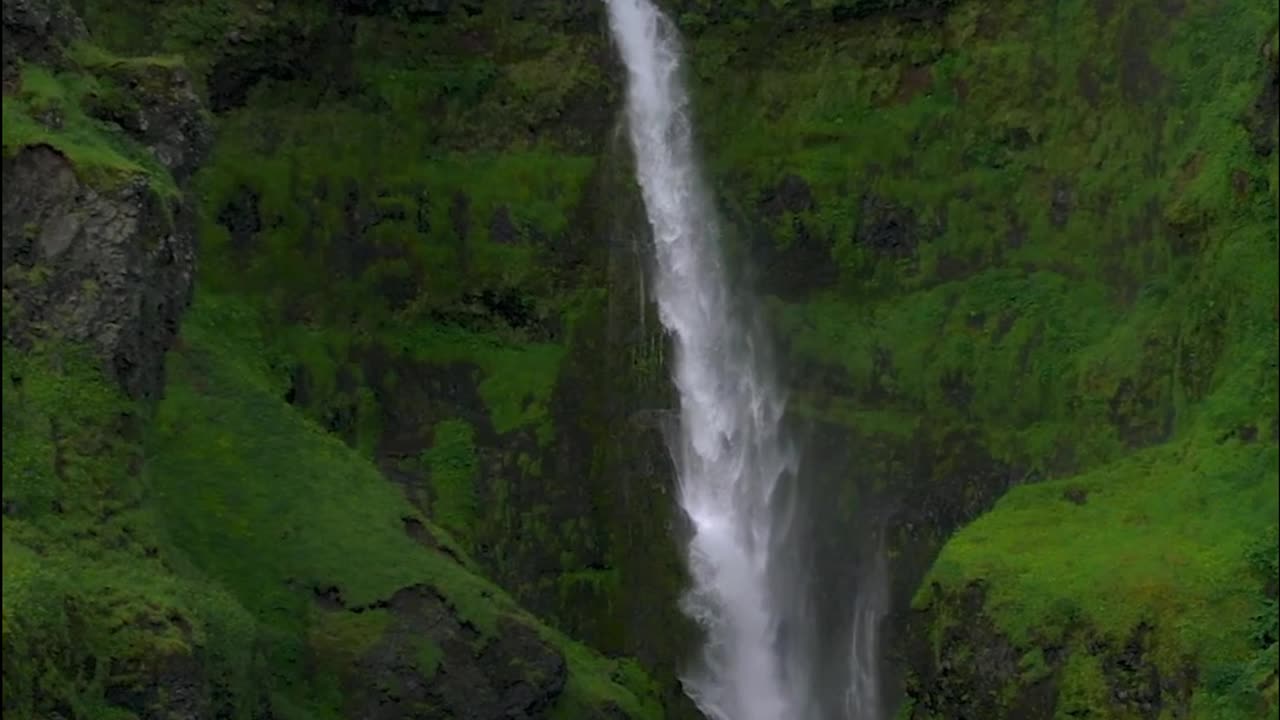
332	388
198	546
1035	247
422	201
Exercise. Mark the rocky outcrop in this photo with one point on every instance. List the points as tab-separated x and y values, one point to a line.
101	258
107	268
429	660
970	669
37	31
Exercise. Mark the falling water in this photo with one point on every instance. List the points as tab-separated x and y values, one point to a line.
870	605
729	453
733	461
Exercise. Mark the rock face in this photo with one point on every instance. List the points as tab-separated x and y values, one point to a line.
108	268
998	679
39	31
429	664
107	262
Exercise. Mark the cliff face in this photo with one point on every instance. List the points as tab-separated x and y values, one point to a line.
99	244
1005	250
189	544
1029	250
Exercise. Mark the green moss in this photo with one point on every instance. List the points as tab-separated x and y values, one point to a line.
953	126
431	217
428	658
1032	667
221	376
1048	229
517	377
451	467
1003	346
1161	539
93	606
228	460
49	110
594	686
418	220
341	638
1083	688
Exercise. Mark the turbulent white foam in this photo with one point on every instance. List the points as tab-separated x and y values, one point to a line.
728	451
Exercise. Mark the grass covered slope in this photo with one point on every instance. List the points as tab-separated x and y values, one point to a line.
417	201
322	550
96	621
253	561
409	196
49	109
1037	245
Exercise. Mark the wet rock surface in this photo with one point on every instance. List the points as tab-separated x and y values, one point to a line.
510	676
108	267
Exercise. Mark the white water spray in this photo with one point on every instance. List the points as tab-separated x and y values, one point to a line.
729	453
758	660
862	698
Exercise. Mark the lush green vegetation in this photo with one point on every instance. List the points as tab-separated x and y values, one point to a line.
1055	232
111	576
50	109
1051	231
93	610
275	508
451	238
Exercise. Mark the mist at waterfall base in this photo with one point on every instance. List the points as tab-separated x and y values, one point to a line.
777	646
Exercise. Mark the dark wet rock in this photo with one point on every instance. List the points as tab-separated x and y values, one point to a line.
110	267
406	9
1090	82
792	194
1266	108
512	675
800	266
1140	78
242	219
1134	678
951	685
1061	203
975	666
501	228
957	389
460	215
110	263
175	686
158	105
37	31
887	227
267	48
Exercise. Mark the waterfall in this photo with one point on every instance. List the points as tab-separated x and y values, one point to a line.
734	463
728	450
870	605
